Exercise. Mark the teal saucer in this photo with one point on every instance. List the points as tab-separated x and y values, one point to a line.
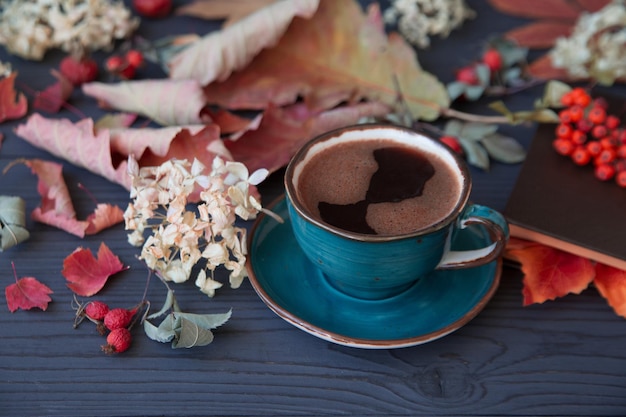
297	291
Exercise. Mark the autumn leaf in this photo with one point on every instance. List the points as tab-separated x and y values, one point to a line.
283	130
27	293
230	11
56	208
339	55
53	98
12	104
549	273
167	102
105	151
86	274
611	283
12	221
218	54
551	19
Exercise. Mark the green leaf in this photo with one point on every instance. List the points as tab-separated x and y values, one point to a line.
455	89
474	92
163	333
552	94
169	302
476	154
453	127
476	130
207	321
483	73
191	335
503	148
12	222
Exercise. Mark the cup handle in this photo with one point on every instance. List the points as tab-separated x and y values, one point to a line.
498	230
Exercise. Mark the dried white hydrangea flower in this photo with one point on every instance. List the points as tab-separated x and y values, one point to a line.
28	28
182	238
419	19
597	46
5	69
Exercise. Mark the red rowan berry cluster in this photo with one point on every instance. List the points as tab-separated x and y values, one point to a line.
114	323
125	66
589	135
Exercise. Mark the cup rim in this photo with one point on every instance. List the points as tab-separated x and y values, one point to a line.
292	195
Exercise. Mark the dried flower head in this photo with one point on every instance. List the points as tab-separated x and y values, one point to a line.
597	46
419	19
30	28
206	236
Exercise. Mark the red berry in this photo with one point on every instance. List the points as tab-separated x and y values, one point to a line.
118	341
605	157
581	97
153	8
581	156
452	142
467	75
567	99
621	152
96	310
118	318
597	115
78	71
115	63
578	137
493	59
620	179
612	122
599	131
563	146
576	113
128	72
601	102
584	125
134	58
564	131
604	172
594	148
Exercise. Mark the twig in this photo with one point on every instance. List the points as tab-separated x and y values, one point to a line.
469	117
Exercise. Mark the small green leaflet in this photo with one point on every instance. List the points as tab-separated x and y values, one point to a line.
184	330
12	221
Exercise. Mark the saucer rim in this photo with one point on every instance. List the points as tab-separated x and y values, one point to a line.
357	342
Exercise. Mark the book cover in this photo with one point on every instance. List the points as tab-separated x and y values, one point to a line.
560	204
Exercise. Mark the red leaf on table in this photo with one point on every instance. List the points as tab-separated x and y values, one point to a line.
283	130
542	68
549	273
56	208
557	9
540	34
12	105
88	275
27	293
55	96
611	283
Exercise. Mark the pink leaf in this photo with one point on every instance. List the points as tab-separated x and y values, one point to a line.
12	105
54	97
103	217
27	293
88	275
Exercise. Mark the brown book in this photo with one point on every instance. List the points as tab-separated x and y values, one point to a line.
560	204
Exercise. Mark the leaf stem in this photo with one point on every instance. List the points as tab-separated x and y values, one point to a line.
469	117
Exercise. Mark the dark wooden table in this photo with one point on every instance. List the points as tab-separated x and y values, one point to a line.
565	357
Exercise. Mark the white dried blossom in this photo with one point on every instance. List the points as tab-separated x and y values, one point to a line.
597	46
29	28
5	69
182	238
418	20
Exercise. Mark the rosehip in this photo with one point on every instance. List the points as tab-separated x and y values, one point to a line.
96	310
115	63
134	58
452	143
153	8
78	71
118	341
118	318
493	59
467	75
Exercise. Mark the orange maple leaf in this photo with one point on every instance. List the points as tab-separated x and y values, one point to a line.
549	273
12	105
611	283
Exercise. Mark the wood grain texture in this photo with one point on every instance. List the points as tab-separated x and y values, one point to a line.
565	357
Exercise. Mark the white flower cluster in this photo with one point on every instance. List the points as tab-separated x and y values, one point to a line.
5	69
180	238
28	28
597	46
419	19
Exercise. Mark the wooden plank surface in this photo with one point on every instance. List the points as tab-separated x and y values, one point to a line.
565	357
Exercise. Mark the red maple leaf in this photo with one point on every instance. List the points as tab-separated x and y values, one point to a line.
549	273
12	105
86	274
611	283
26	293
54	96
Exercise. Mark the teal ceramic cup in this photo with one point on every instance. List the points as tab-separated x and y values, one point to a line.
375	266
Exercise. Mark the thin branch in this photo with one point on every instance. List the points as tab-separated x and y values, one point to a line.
469	117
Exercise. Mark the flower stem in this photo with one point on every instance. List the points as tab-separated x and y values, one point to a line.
469	117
